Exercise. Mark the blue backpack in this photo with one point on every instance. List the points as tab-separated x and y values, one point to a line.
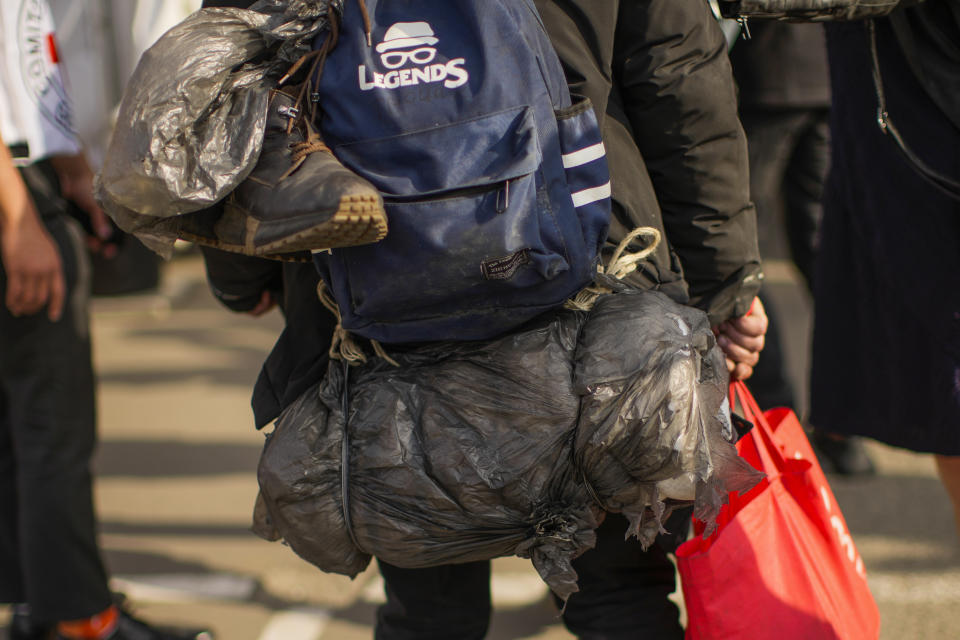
495	181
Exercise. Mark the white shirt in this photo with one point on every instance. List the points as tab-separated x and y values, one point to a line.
34	106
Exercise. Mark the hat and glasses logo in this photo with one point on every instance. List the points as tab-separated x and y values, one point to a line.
395	59
408	55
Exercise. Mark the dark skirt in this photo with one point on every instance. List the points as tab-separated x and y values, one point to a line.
886	347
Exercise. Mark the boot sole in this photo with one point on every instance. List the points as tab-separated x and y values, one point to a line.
358	220
293	256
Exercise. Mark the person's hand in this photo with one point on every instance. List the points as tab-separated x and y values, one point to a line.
267	302
33	268
76	185
742	340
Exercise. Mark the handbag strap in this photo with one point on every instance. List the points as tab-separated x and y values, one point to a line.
950	187
771	456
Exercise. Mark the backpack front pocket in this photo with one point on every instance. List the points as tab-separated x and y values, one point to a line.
470	221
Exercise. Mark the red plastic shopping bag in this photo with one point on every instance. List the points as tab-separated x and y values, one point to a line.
781	564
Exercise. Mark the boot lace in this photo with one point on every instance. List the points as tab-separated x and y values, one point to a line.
301	150
317	58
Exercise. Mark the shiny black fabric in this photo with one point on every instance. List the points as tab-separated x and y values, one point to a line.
658	75
819	10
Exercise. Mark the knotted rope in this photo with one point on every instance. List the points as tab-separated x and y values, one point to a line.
621	265
343	346
300	150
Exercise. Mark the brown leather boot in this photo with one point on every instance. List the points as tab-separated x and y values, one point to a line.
297	199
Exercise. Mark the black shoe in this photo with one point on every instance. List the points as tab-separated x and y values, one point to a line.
843	455
24	627
130	628
298	198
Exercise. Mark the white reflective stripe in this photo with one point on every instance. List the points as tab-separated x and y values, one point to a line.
587	196
583	156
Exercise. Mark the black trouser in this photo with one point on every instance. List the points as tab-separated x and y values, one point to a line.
789	153
48	552
789	158
623	594
770	383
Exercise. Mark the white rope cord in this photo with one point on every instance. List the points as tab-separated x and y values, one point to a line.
379	350
343	346
620	266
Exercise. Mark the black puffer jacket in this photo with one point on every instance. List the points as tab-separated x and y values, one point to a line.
657	71
658	74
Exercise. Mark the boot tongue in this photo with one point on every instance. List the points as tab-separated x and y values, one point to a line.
313	144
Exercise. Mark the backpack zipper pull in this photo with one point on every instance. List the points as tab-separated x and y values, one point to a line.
503	197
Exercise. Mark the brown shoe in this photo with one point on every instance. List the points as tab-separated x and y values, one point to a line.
297	199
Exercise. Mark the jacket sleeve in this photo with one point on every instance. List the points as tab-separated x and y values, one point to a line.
675	81
239	281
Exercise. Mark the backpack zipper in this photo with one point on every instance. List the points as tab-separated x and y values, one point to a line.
502	188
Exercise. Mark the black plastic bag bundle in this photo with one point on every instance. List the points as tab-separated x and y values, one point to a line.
513	446
654	423
191	121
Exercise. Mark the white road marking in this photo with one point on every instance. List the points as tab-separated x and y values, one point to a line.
515	590
177	588
305	624
926	588
373	591
509	590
